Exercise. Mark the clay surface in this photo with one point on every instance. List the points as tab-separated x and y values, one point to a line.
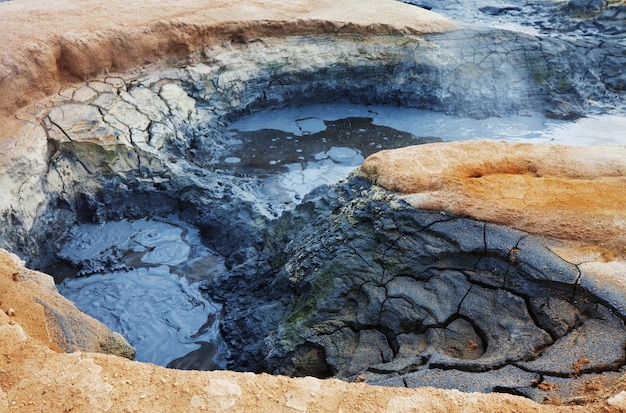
46	46
35	378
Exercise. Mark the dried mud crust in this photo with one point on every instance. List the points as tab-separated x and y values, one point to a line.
452	349
368	288
36	64
33	377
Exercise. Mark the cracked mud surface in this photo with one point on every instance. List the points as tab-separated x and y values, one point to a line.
158	138
140	151
373	289
354	283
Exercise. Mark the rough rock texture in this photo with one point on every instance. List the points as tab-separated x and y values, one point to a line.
360	285
573	19
33	378
53	150
119	145
36	63
597	26
31	300
559	191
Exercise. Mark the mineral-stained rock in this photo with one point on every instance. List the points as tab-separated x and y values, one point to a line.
354	283
596	344
551	190
49	318
508	379
35	64
36	378
151	138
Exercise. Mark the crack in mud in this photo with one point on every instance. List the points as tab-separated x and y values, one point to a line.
511	320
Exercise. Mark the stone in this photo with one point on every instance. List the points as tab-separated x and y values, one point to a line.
149	103
557	316
578	389
84	94
135	138
465	178
123	115
447	298
34	303
581	349
77	122
179	103
85	55
23	164
585	7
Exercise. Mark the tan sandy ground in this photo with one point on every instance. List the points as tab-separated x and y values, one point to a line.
44	46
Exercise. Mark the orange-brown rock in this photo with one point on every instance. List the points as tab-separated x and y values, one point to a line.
565	192
31	300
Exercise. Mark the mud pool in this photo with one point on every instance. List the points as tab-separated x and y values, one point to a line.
290	151
161	261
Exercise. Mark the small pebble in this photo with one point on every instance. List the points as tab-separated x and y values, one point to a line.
232	160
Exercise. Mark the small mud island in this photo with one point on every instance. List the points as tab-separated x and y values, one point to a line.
350	254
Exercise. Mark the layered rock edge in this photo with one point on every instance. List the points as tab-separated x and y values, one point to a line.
572	194
565	192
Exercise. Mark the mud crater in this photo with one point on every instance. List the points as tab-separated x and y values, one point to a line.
346	280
